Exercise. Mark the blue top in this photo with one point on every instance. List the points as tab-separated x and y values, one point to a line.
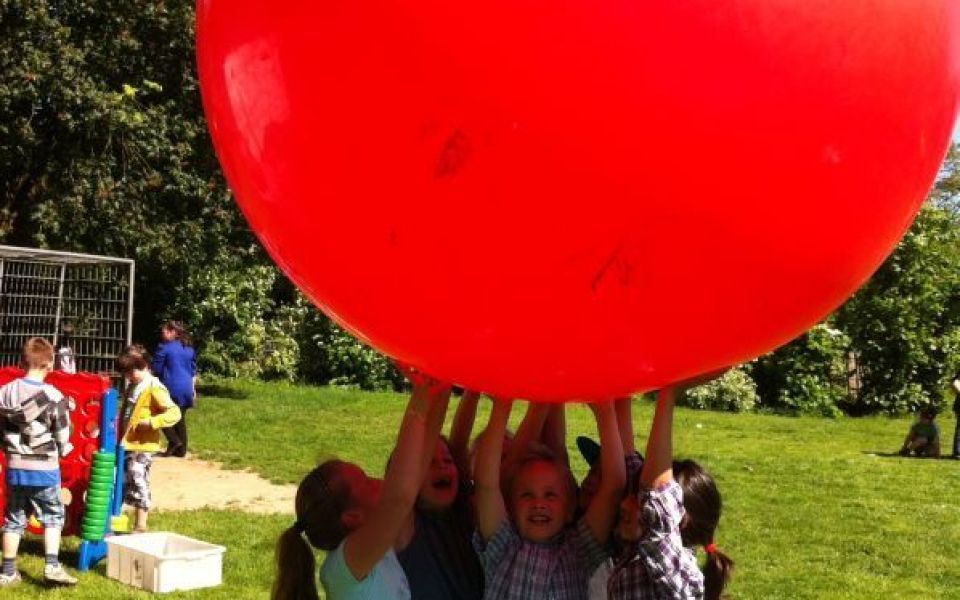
386	581
176	365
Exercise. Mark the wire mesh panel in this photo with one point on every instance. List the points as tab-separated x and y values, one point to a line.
95	303
29	299
79	300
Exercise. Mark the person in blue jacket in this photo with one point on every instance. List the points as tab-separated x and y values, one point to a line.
175	364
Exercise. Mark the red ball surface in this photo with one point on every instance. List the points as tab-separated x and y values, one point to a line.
579	199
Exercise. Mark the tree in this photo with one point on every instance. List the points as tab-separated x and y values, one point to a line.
905	322
103	147
902	328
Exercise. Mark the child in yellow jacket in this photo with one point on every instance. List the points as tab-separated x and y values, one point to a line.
150	409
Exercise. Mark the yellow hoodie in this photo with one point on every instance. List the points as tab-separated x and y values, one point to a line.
153	405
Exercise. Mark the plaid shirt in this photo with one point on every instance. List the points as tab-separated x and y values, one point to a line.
658	567
516	569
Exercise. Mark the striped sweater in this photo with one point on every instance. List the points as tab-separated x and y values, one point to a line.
35	422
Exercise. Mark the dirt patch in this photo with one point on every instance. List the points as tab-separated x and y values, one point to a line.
189	483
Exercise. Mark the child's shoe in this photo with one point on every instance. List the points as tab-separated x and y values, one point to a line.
6	580
58	575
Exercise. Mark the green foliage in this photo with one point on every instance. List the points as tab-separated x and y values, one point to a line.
734	391
808	375
333	356
904	322
103	146
897	340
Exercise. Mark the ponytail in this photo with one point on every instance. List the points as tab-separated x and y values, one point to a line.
702	506
321	498
296	568
716	574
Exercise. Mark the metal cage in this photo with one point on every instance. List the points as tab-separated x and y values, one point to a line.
44	293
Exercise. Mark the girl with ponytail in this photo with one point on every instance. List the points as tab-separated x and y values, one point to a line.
669	509
358	519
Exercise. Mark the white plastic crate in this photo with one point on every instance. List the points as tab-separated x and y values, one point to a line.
164	562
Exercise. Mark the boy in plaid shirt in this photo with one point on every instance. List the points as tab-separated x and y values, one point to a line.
36	431
668	509
532	552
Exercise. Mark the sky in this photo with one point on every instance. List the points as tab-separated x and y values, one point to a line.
956	132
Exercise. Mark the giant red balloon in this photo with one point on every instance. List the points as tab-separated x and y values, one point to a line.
558	199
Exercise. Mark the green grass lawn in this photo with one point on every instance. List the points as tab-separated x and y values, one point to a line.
815	508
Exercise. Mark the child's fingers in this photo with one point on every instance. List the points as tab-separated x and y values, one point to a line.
420	380
414	376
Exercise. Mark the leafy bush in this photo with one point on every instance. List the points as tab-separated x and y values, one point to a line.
903	322
735	391
808	375
330	355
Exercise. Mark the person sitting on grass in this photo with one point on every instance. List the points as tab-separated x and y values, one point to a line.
358	520
923	439
36	430
150	409
534	550
669	508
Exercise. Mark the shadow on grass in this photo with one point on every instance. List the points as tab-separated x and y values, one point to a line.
218	390
33	546
901	457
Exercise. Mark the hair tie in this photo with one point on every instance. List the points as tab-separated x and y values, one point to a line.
299	526
710	548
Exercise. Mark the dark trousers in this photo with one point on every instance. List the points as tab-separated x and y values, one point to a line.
177	436
956	438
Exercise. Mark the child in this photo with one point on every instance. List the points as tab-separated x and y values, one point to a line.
633	461
669	509
590	451
924	436
532	552
65	360
436	551
36	425
358	519
150	409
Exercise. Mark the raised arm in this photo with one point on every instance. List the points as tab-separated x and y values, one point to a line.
555	432
602	511
367	544
658	463
624	409
434	424
491	509
529	431
461	429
